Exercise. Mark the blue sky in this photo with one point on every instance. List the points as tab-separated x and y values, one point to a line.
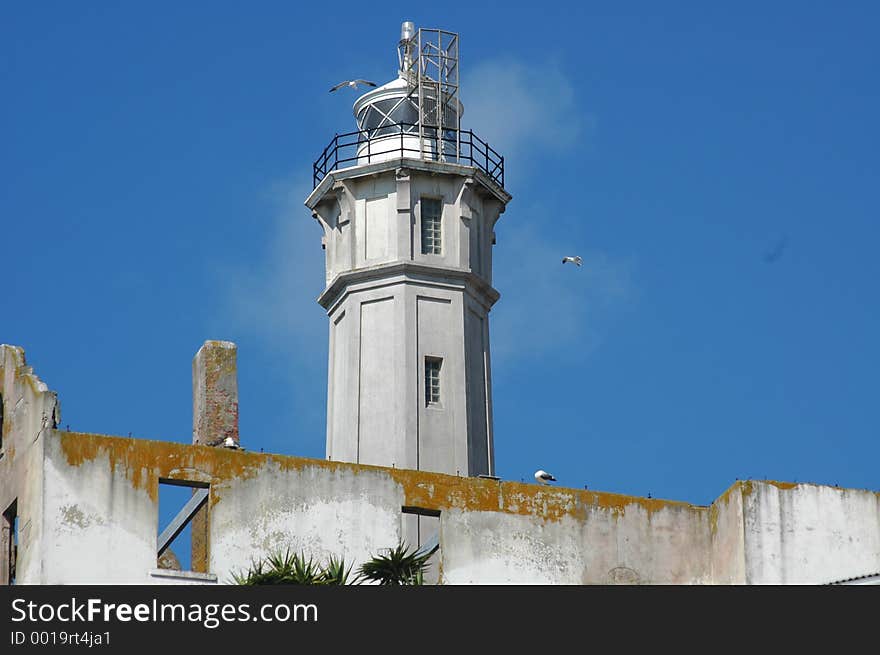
715	166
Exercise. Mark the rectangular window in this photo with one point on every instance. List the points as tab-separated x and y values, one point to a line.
432	211
432	380
420	527
183	509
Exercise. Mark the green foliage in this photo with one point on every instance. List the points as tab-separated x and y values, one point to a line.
335	571
289	568
399	566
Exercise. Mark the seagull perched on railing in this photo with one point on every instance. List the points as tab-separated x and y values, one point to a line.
352	83
543	477
574	260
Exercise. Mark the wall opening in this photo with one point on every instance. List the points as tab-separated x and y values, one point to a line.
9	544
421	528
1	425
182	544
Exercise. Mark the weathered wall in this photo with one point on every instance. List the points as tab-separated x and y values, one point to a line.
604	539
89	512
808	533
101	511
101	514
30	409
308	508
215	393
726	534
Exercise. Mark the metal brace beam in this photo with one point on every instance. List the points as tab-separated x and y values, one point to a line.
183	517
430	545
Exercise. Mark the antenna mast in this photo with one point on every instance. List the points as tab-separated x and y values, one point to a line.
429	62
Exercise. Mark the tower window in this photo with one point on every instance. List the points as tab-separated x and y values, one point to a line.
432	380
432	210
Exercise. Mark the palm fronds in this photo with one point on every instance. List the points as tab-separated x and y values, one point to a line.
289	568
398	566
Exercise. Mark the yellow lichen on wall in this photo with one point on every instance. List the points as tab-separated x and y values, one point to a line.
782	485
144	462
124	455
436	491
736	487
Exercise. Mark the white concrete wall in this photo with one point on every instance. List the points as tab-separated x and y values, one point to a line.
99	521
380	336
608	546
442	430
29	410
478	386
380	432
808	534
727	538
342	384
312	510
376	219
368	417
101	527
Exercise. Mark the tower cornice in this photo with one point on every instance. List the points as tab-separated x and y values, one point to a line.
408	272
423	165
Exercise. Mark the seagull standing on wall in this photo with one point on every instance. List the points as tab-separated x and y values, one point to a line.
574	260
543	477
352	83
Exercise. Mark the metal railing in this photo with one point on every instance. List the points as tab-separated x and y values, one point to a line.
380	144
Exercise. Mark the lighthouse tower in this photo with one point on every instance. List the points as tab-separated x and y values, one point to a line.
408	204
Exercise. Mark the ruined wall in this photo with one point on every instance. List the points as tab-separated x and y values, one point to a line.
102	507
727	539
88	513
30	409
101	512
215	393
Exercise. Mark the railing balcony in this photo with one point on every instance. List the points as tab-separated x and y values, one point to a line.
402	140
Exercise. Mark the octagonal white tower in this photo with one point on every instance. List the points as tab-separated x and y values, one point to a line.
408	205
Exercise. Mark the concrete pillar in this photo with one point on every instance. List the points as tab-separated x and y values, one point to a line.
215	394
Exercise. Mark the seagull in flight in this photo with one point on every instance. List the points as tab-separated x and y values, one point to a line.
352	83
574	260
776	252
543	477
